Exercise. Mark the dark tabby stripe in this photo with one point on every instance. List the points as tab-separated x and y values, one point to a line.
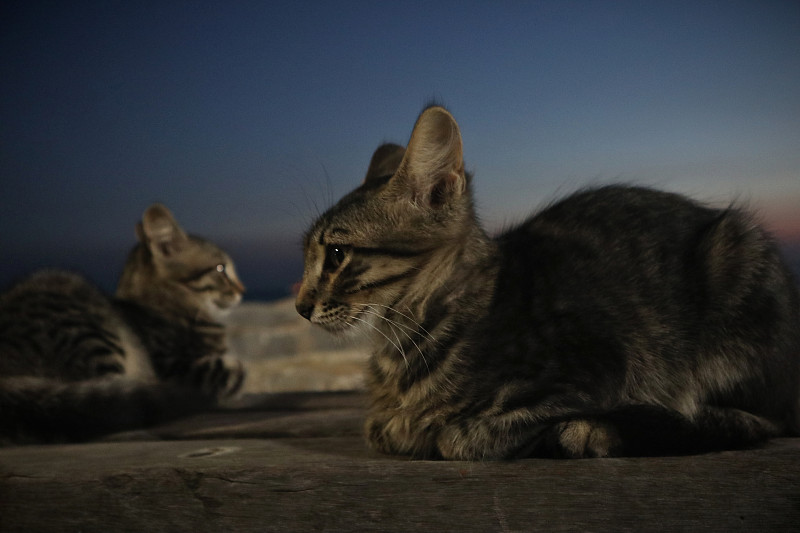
353	270
351	286
96	336
389	252
383	282
199	274
426	361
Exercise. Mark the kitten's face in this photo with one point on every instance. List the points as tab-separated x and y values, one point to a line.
373	251
172	269
360	258
207	275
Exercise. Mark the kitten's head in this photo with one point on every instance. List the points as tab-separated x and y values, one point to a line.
383	245
170	270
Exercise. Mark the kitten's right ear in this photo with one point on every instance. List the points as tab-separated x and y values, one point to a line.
160	232
385	161
432	170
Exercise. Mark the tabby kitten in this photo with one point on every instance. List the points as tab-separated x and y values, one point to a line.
76	364
618	321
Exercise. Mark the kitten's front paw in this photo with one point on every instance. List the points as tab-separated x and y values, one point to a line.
393	435
217	377
377	438
586	438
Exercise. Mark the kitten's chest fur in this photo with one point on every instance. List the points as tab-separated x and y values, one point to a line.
172	344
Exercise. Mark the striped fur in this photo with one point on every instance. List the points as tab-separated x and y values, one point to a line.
76	364
618	321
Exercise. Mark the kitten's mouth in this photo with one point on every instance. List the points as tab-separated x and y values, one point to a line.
221	308
225	304
333	326
341	326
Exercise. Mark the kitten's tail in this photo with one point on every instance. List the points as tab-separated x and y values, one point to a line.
42	410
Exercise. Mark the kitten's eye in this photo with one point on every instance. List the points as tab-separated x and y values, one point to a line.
334	256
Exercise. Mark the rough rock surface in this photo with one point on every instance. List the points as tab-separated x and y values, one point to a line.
283	352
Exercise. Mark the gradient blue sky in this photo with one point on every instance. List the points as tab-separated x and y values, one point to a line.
246	117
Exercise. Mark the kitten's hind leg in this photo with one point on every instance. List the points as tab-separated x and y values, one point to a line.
652	430
630	430
726	428
645	430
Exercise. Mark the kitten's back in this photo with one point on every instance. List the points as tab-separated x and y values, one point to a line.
57	324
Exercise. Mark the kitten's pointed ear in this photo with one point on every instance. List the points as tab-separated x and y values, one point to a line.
385	161
433	167
160	232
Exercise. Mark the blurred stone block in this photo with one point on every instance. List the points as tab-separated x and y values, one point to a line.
283	352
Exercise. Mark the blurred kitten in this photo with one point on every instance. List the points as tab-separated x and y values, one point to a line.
76	364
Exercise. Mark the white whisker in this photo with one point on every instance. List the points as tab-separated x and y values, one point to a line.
392	325
407	317
399	349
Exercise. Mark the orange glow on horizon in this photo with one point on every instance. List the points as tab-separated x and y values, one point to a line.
782	219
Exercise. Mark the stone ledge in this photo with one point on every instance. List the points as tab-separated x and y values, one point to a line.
297	462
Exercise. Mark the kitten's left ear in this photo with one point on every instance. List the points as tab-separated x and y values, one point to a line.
160	232
433	166
385	161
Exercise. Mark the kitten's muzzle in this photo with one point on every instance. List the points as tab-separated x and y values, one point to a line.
304	308
305	301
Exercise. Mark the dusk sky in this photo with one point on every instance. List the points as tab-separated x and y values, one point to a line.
245	118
